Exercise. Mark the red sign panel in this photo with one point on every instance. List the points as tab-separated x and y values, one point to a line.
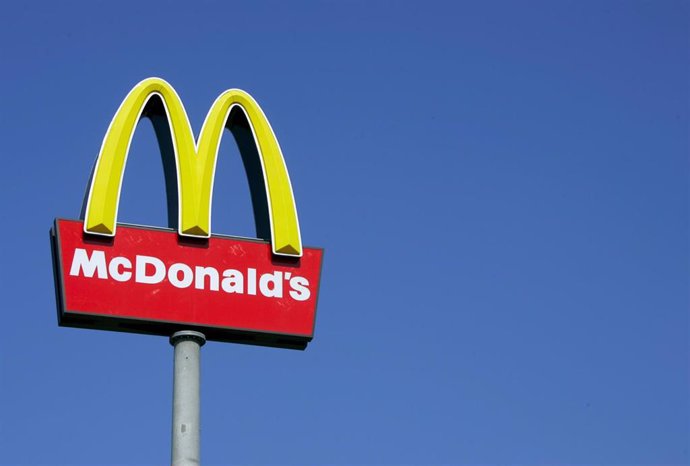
151	280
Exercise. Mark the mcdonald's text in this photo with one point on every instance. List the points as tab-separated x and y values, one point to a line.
151	270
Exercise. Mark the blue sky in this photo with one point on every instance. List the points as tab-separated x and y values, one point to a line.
501	189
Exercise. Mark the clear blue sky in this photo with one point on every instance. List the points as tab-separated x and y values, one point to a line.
501	189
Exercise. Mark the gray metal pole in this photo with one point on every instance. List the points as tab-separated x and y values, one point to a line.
186	401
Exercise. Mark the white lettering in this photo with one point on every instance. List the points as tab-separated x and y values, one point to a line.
96	263
158	274
152	270
251	281
274	291
201	273
233	281
187	275
299	292
114	269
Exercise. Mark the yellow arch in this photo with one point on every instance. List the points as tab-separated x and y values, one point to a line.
195	164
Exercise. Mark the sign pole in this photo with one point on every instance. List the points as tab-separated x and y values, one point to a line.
186	400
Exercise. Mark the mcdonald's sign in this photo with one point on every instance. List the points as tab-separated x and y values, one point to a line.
140	279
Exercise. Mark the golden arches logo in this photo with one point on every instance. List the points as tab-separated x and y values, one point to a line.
192	164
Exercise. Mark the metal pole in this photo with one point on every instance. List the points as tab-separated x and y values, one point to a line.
185	424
